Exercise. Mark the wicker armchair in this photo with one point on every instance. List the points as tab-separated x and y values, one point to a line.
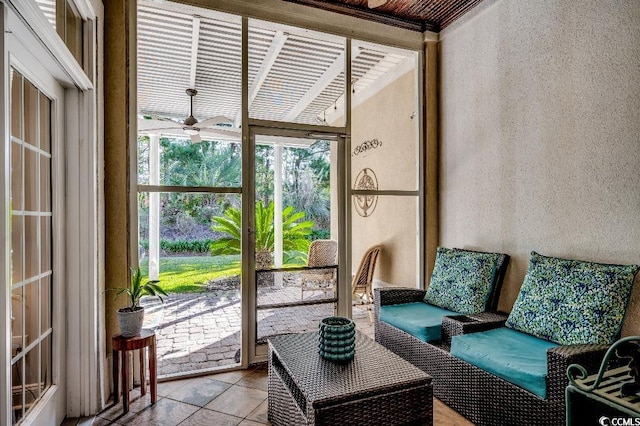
361	286
321	253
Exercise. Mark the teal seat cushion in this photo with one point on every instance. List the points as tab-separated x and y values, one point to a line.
516	357
419	319
572	301
462	280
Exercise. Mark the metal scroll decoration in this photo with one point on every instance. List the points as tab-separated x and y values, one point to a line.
628	347
366	146
366	204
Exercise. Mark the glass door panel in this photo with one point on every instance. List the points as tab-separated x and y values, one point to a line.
296	250
189	241
190	182
384	117
394	224
292	319
31	242
385	162
176	237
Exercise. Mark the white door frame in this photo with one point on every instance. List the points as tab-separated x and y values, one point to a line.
31	45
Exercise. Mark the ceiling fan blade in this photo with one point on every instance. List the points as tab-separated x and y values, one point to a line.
376	3
146	125
195	138
215	120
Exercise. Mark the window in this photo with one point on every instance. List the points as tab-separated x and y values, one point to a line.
31	244
65	19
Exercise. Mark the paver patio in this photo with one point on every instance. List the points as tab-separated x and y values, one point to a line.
201	331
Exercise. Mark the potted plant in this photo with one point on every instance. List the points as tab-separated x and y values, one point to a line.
130	317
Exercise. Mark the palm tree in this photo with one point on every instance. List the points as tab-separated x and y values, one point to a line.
295	231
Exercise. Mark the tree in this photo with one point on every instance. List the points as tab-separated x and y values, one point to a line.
207	163
294	232
306	183
305	179
183	163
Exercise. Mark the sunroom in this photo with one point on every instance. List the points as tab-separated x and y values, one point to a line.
187	138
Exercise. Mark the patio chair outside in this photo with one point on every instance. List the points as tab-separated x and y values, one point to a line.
321	253
361	286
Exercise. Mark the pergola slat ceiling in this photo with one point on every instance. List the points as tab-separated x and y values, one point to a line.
302	82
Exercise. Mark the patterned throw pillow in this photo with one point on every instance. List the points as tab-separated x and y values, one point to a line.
571	301
462	280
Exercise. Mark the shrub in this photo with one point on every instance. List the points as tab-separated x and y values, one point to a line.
181	246
295	231
319	234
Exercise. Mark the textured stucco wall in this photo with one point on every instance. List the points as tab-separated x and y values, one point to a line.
386	116
540	133
116	176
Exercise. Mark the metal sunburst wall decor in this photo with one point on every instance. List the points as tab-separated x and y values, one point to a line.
366	204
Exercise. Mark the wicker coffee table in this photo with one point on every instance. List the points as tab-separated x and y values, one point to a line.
376	387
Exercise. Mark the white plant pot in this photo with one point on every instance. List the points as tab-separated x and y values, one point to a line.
130	322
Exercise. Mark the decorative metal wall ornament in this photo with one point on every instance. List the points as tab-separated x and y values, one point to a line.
366	204
367	145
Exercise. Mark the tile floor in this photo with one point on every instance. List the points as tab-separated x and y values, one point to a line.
223	399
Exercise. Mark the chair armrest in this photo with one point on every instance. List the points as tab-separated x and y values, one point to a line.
396	295
561	357
464	324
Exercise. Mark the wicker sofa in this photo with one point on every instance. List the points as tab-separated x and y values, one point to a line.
480	396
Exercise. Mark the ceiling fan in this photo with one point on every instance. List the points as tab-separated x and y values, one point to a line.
376	3
188	125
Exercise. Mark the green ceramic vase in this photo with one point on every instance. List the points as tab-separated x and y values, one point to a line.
336	339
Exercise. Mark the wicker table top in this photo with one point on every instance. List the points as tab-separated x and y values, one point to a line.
374	369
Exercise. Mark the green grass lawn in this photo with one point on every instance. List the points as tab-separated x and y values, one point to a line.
191	274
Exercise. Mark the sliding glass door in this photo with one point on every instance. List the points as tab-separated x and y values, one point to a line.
37	314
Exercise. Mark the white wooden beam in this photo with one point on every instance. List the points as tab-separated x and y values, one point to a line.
195	41
325	79
277	43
